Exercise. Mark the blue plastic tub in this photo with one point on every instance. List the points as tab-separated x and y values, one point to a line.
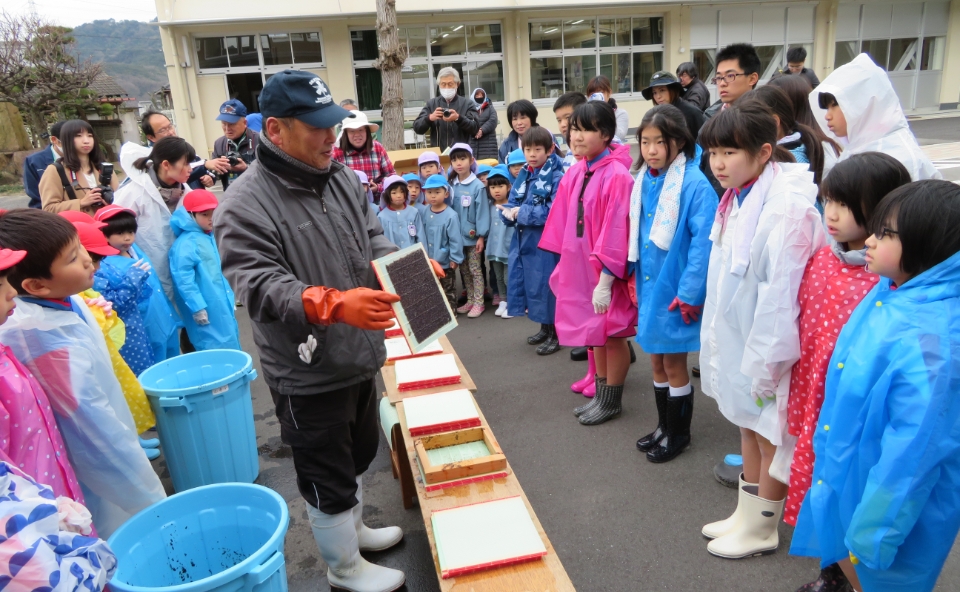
205	417
219	538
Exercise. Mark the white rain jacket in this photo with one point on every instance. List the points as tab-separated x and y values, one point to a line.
130	152
154	235
750	337
875	120
69	358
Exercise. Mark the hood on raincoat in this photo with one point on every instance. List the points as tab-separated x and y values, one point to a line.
182	221
875	119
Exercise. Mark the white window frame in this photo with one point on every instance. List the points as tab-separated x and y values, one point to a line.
262	68
596	51
465	58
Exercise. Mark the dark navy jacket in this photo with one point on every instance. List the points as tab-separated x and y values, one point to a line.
33	168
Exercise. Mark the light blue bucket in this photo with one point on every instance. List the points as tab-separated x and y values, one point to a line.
205	416
221	538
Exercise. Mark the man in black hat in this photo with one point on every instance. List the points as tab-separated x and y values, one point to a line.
296	237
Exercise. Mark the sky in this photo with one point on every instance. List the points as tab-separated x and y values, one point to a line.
71	13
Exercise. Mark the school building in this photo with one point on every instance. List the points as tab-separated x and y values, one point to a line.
538	49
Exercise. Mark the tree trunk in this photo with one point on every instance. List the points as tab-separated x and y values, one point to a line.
390	63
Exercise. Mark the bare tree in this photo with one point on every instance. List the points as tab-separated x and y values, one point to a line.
390	64
40	74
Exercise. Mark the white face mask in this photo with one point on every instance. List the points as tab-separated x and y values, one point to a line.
448	93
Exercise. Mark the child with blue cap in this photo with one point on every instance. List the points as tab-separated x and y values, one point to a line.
441	226
414	190
515	162
498	242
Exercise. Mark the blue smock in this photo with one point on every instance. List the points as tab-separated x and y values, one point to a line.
402	227
529	267
444	243
198	284
471	205
680	271
886	484
127	287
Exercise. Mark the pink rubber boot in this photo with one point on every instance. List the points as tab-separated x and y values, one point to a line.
587	382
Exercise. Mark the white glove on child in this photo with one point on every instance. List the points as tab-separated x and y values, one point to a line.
508	213
602	294
73	516
201	317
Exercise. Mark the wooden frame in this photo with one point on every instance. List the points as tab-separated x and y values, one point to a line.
433	474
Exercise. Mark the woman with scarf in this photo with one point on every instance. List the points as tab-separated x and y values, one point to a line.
154	196
672	208
484	143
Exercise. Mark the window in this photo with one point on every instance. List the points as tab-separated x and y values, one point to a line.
845	52
932	54
474	50
877	50
903	55
706	62
566	55
772	58
263	52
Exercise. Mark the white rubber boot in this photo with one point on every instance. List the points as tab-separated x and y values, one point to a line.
336	537
757	531
373	539
718	529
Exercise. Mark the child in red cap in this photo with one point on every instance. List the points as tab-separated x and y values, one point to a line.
203	295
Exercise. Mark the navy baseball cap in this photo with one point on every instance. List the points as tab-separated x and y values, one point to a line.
301	95
231	111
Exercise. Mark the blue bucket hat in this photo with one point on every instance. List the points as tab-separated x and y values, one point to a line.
301	95
436	182
231	111
483	169
516	157
500	170
412	178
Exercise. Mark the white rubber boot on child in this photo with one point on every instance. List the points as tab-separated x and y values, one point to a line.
718	529
505	314
336	537
373	539
757	532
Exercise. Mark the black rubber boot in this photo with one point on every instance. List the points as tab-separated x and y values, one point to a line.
677	429
578	354
593	402
608	406
540	336
831	580
652	440
552	343
696	371
633	354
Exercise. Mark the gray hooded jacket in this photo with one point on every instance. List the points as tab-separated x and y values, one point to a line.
277	238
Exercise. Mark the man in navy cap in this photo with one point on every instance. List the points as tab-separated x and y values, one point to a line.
238	142
296	236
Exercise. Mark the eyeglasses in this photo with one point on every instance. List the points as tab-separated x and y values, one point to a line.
729	77
885	232
165	130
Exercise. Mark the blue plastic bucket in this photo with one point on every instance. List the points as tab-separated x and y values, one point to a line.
205	417
222	538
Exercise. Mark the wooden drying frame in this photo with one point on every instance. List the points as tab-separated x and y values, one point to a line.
496	461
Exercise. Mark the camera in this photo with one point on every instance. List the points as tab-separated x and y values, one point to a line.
234	157
106	176
446	112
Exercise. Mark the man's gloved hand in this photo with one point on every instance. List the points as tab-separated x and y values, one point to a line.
361	307
437	270
201	318
602	293
690	312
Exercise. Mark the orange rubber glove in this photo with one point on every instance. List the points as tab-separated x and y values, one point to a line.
361	307
437	270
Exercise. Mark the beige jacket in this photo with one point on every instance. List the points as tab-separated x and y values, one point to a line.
54	197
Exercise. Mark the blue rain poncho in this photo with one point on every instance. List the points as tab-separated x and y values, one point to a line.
886	481
199	285
680	271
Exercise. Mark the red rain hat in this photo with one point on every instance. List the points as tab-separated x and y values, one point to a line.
107	212
76	216
200	200
9	258
93	240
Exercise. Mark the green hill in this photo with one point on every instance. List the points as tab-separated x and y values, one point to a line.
130	51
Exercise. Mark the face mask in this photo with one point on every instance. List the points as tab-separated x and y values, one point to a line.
479	100
448	93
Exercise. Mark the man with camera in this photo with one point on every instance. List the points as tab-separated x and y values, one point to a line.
238	144
449	117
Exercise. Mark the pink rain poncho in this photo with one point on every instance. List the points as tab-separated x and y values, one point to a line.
603	244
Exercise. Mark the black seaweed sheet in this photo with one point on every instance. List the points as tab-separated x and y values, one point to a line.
423	304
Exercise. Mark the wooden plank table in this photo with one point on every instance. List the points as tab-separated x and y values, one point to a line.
545	575
389	375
